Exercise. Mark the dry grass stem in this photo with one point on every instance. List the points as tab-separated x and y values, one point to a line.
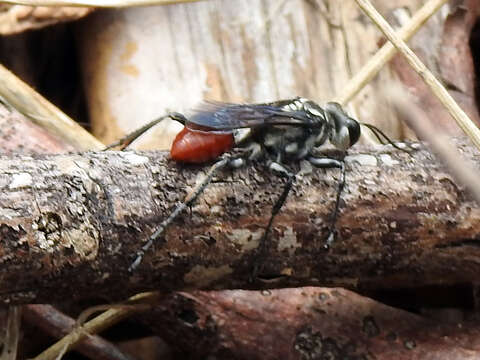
440	144
437	88
12	333
34	106
376	62
101	322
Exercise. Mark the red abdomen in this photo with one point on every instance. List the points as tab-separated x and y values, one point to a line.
198	147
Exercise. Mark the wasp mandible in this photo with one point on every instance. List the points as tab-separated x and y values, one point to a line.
277	133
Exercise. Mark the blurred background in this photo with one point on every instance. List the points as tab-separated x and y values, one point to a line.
113	70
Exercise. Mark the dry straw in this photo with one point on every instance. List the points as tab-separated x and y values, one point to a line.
377	61
462	119
116	313
30	103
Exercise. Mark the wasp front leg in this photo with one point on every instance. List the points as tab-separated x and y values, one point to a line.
328	163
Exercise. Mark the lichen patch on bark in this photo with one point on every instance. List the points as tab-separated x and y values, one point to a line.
202	276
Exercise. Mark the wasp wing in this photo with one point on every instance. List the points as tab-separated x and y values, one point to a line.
225	117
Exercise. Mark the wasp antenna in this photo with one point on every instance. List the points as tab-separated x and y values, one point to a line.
382	138
374	132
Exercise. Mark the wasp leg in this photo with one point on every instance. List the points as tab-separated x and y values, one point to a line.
332	163
282	171
129	138
255	151
189	200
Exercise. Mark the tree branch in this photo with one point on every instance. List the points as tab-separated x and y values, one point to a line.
71	225
304	323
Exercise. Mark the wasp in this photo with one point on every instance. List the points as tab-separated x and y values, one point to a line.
277	133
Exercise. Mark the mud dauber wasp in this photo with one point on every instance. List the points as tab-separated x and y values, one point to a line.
278	133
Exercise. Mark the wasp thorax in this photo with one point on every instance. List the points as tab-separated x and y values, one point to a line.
353	131
313	109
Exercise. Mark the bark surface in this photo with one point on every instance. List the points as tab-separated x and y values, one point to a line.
305	323
70	225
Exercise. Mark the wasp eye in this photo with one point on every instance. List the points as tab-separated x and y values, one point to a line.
353	131
346	130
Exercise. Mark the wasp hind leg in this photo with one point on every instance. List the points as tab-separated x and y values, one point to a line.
327	163
282	171
189	200
129	138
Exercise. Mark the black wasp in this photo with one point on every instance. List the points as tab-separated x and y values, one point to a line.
276	133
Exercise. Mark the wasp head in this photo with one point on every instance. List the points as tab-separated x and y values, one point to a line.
345	130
